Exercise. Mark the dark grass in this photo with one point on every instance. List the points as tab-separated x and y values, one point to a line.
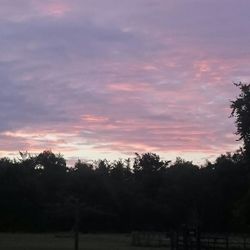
64	242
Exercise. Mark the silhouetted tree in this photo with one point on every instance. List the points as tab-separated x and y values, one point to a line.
37	191
241	111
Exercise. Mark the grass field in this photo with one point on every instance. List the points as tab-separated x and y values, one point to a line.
51	242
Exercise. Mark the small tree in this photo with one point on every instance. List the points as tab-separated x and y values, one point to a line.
241	111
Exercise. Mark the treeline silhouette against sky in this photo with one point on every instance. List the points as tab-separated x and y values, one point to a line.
39	192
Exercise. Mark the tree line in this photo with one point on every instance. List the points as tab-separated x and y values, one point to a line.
39	193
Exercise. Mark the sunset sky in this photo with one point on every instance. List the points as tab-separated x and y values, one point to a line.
106	78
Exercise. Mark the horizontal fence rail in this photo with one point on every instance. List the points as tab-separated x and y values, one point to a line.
151	239
225	242
179	241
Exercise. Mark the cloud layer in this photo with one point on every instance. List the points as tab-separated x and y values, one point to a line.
95	78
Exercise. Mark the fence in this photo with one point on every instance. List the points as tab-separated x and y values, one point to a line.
225	242
151	239
191	240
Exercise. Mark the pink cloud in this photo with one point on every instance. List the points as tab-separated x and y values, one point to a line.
53	8
129	87
94	119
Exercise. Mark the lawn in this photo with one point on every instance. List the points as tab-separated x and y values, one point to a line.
53	242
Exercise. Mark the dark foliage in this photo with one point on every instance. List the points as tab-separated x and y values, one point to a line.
38	193
241	111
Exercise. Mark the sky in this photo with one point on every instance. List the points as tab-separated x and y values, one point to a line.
106	78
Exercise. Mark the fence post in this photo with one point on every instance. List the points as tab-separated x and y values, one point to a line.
198	239
76	227
185	238
177	240
227	241
173	240
244	242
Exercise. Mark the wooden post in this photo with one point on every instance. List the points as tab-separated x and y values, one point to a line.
173	240
76	226
198	238
159	240
185	237
244	242
227	241
134	241
176	247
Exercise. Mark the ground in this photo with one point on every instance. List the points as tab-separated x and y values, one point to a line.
64	242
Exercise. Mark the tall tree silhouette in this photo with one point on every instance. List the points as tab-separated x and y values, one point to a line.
241	111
